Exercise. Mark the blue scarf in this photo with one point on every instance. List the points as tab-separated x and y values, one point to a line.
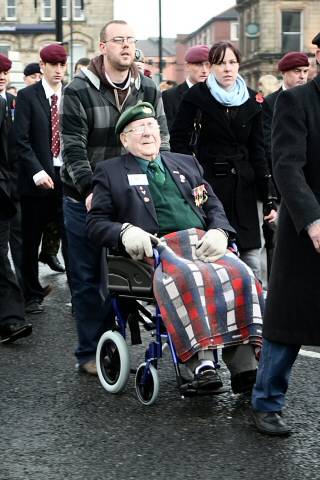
234	97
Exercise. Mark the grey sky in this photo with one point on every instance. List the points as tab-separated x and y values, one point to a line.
178	16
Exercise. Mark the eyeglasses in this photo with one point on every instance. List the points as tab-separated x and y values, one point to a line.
142	128
121	40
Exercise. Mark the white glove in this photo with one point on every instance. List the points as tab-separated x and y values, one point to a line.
137	242
212	246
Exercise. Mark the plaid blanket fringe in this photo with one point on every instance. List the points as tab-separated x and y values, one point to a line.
206	305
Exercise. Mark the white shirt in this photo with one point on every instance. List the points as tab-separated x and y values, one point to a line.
57	161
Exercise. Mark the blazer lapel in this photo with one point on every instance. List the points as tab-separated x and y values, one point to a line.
143	191
42	99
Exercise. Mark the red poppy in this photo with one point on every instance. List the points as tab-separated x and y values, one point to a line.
259	97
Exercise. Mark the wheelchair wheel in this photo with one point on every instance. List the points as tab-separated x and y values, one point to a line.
113	364
147	391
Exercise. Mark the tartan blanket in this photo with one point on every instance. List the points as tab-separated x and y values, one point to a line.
205	305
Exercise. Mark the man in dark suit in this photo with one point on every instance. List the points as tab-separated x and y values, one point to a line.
12	322
15	239
38	147
294	67
197	69
293	302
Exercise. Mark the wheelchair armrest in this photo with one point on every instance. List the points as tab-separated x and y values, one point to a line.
129	277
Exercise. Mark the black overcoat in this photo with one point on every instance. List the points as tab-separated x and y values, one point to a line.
7	208
293	303
171	101
231	151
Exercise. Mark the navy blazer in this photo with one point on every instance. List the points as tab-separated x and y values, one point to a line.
115	201
32	127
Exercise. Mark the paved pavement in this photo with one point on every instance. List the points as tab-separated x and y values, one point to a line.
58	424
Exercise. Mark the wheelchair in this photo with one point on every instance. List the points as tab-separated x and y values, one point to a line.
129	279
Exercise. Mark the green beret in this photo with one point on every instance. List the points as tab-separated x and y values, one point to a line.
137	112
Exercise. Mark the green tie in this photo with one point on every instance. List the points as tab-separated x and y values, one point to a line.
156	173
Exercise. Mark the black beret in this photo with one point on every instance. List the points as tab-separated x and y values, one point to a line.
5	63
54	53
31	68
316	40
137	112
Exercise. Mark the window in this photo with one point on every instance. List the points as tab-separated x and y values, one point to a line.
65	9
11	10
291	31
5	49
77	13
234	31
46	10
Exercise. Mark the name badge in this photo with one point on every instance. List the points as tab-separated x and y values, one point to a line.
138	179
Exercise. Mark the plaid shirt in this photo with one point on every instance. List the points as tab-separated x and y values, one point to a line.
88	115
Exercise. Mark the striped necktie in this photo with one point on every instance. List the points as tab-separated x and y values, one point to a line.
55	139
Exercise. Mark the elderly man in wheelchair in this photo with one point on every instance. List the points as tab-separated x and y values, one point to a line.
208	298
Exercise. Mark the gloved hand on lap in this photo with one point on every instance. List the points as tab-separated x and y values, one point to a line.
212	246
136	241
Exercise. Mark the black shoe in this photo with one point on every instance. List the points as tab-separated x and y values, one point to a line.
52	261
33	307
10	333
206	378
270	423
243	382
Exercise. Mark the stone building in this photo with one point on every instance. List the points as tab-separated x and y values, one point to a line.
270	28
24	29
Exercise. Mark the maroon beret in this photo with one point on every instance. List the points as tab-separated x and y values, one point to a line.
5	63
293	60
197	54
54	53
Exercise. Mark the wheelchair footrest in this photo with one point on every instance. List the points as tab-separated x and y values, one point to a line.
189	390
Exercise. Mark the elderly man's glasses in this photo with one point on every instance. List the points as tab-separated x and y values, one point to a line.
121	40
142	128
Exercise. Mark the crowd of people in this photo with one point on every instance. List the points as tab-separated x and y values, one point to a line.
206	163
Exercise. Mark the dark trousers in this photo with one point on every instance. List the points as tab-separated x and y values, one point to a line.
15	242
275	364
92	312
36	212
11	299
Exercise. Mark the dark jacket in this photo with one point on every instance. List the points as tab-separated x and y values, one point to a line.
32	127
171	101
7	209
293	302
116	202
267	114
230	149
89	114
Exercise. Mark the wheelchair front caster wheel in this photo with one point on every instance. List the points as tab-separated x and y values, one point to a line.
147	384
112	360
